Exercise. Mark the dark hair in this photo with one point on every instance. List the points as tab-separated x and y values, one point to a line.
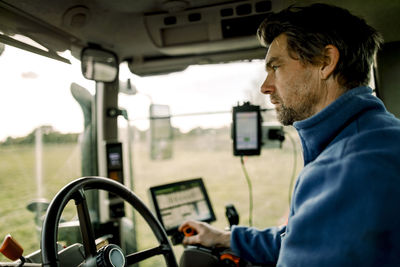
309	29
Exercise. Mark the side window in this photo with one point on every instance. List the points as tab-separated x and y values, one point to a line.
41	125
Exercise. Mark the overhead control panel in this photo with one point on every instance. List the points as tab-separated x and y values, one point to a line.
197	26
196	35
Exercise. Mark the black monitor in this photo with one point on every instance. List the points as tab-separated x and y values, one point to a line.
177	202
246	131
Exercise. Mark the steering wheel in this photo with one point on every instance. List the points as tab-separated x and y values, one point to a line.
76	191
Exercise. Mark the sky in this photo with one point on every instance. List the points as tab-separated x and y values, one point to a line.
35	91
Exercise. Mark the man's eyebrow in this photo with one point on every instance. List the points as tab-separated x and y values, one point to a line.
270	61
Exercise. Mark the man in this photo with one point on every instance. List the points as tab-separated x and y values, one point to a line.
344	205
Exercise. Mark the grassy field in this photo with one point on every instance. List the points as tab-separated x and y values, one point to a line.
18	186
209	157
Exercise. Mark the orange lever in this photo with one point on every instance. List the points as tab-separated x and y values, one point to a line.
188	231
230	258
11	248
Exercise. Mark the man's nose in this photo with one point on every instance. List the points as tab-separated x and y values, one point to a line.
267	86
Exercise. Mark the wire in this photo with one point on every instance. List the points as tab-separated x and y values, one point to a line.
250	191
294	167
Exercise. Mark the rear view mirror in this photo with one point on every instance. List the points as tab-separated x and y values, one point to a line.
99	65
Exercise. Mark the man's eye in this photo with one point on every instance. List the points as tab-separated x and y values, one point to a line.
274	67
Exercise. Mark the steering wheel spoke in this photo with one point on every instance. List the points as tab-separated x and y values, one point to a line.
145	254
86	227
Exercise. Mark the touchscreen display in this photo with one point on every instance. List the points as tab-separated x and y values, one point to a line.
177	202
246	130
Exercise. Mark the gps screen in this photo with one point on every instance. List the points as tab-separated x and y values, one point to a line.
246	133
177	202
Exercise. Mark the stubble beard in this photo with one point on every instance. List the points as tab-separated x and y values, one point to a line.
303	101
303	108
286	115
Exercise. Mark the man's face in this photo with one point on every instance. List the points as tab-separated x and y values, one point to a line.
294	87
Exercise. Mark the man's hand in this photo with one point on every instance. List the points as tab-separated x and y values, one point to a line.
206	235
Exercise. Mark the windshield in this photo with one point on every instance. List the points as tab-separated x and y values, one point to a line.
200	101
42	126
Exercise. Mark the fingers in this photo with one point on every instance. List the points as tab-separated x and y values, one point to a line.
191	240
192	231
192	224
204	234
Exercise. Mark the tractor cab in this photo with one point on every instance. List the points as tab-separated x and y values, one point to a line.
122	119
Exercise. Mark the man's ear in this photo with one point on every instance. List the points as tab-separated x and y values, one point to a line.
331	58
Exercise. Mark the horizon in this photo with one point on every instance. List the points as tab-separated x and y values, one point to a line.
30	81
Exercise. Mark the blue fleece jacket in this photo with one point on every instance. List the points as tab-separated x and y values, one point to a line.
345	205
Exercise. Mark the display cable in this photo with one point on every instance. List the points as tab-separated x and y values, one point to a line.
250	191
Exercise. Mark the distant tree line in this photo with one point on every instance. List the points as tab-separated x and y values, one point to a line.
49	136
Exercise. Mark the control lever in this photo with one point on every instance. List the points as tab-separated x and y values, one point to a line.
201	256
232	215
12	250
189	231
177	237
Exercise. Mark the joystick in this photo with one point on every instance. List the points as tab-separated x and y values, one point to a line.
189	231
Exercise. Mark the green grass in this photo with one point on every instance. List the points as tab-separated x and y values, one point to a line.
18	186
209	157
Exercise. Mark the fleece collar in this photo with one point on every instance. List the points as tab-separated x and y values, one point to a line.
319	130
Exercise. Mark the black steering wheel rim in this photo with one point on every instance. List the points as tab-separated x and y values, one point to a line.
75	190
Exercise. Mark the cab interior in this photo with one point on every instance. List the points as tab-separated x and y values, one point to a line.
158	110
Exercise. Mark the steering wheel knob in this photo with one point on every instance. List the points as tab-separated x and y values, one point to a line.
110	256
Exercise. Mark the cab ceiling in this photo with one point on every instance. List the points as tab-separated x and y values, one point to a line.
158	36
